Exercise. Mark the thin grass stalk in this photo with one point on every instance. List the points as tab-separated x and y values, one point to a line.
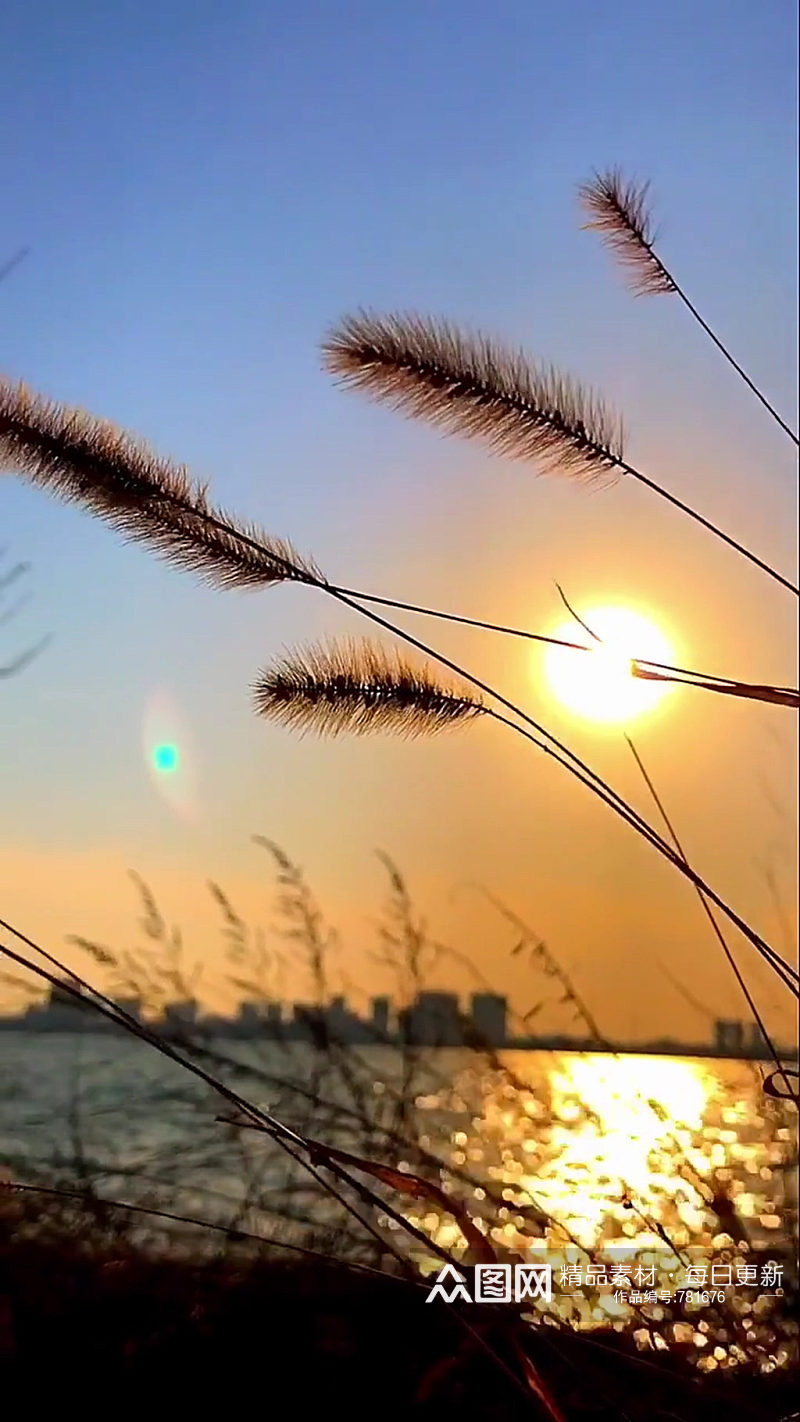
132	483
674	837
717	931
784	970
709	526
330	1157
554	969
641	667
331	1260
275	551
260	1120
11	263
119	479
124	482
234	1233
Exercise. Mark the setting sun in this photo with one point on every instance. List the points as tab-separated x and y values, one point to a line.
598	683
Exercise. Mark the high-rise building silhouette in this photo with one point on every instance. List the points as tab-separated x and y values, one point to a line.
381	1008
489	1018
728	1036
434	1020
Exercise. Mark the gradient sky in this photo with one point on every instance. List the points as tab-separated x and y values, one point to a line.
205	188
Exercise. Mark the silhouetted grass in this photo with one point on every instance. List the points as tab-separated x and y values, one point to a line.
131	1307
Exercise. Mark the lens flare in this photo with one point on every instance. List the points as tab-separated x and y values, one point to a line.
167	746
166	759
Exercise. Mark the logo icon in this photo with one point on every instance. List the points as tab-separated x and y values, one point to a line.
459	1291
533	1281
493	1284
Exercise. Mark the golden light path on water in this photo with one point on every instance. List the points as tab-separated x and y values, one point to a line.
620	1141
661	1160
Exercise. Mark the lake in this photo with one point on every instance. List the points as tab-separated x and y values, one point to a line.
609	1148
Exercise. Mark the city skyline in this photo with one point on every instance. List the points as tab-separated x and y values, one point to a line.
432	1018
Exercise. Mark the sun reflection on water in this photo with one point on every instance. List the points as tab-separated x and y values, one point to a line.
660	1158
613	1131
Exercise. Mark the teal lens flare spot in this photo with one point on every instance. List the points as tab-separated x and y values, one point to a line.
165	758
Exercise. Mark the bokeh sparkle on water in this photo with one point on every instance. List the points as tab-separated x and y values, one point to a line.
663	1132
658	1160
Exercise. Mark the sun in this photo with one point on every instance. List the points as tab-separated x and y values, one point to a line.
598	684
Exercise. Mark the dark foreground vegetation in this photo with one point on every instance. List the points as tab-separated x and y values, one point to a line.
88	1314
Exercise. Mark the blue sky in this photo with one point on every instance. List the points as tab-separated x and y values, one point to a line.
204	189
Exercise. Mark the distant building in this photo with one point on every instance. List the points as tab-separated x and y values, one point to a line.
338	1017
434	1020
663	1046
309	1023
757	1042
259	1019
380	1016
728	1037
60	1011
490	1018
331	1023
273	1019
180	1016
250	1015
344	1025
213	1024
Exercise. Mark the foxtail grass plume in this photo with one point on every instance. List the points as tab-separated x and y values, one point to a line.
90	462
468	384
357	688
617	209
